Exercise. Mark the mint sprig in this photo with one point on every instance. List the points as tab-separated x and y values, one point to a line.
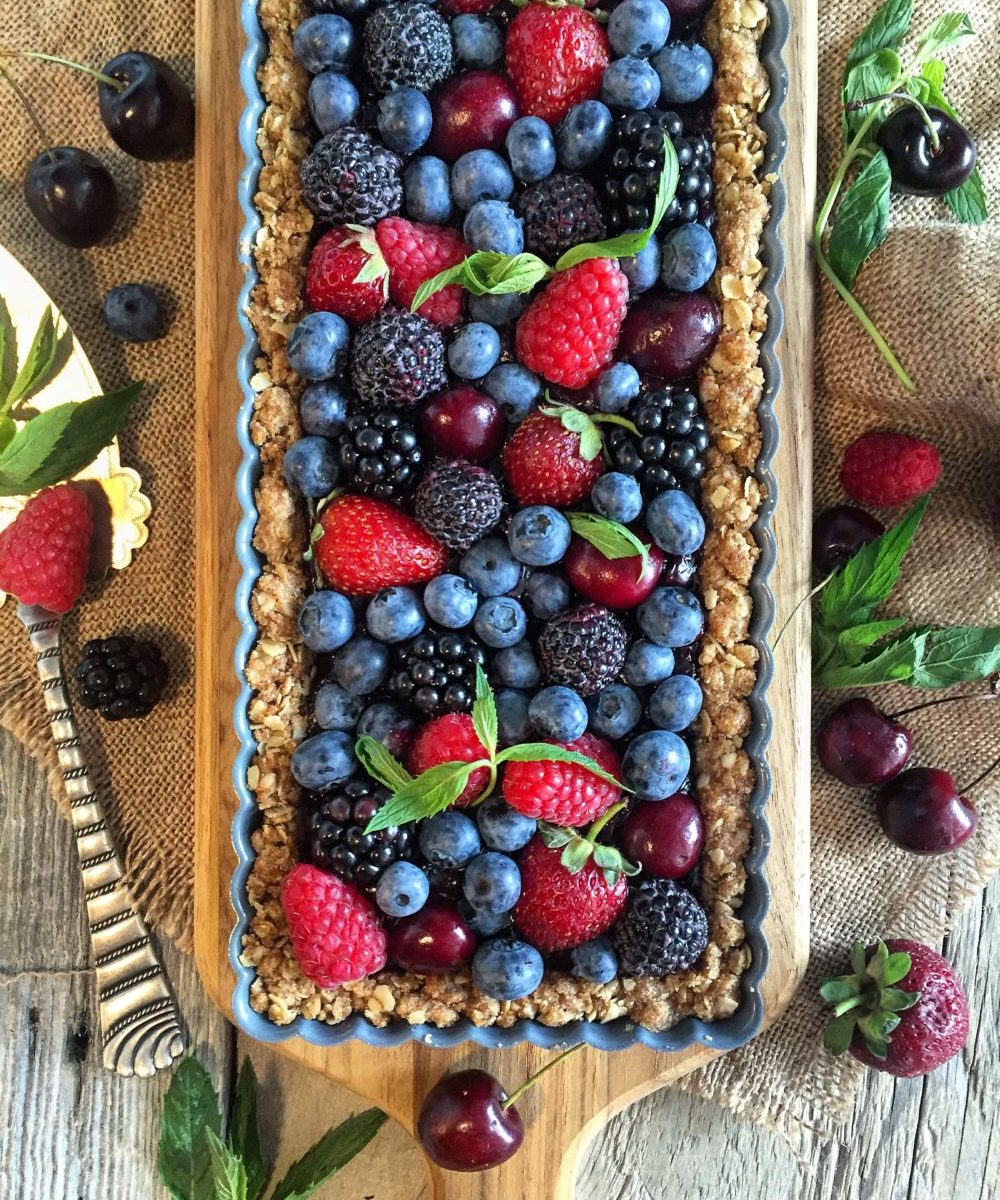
611	538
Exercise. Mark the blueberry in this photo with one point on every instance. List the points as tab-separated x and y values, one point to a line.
480	175
675	703
427	190
500	622
642	270
617	497
323	409
685	70
514	388
491	568
334	708
333	101
639	27
671	617
361	666
395	614
326	621
389	724
583	135
317	346
402	889
688	257
346	8
675	524
616	387
497	310
615	711
451	601
324	43
538	535
531	149
483	922
324	760
630	83
594	960
492	882
558	713
506	969
492	225
647	663
656	764
546	594
503	827
311	467
449	839
516	666
512	716
135	313
478	41
474	350
404	120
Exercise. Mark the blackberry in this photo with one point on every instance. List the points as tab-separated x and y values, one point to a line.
397	359
664	930
436	671
380	454
407	45
560	212
349	178
458	503
120	677
670	449
335	838
633	166
583	649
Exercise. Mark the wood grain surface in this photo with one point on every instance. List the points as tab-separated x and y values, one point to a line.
582	1096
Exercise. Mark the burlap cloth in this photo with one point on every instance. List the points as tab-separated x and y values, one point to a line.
934	291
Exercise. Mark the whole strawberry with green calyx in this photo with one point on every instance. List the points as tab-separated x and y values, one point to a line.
901	1010
556	57
347	274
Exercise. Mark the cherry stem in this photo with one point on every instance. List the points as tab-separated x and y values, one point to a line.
903	98
599	824
805	600
533	1079
30	109
991	695
117	84
979	778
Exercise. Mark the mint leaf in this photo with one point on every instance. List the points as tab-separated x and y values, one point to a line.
862	223
190	1107
229	1176
430	793
853	643
484	713
612	539
487	272
968	202
895	663
7	431
333	1151
546	752
244	1131
380	764
885	31
948	32
873	76
39	362
958	654
8	353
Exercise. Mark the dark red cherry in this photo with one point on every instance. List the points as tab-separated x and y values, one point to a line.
664	836
922	811
613	582
677	571
840	532
670	335
463	1125
432	941
687	12
918	168
463	423
860	745
472	111
72	195
152	116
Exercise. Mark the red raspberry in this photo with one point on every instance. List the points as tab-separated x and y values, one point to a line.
556	58
451	738
331	280
559	908
415	253
561	792
543	463
886	469
569	332
336	933
44	553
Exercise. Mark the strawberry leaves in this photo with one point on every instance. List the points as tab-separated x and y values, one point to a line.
579	848
865	1001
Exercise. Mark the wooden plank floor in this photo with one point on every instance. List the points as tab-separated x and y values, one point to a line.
70	1131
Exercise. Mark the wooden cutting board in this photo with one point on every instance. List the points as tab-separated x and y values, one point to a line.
564	1112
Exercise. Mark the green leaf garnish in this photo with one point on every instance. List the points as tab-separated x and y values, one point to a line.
244	1130
862	220
968	202
545	752
8	353
612	539
380	764
871	77
484	714
865	1000
229	1176
957	654
333	1151
432	792
190	1107
487	273
949	32
37	366
885	31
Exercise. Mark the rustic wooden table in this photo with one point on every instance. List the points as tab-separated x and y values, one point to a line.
71	1131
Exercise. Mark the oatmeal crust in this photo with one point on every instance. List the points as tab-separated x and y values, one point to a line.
278	667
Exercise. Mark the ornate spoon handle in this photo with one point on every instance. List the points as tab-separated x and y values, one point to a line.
140	1022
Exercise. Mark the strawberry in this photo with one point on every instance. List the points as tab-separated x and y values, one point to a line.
563	792
415	253
44	552
553	458
347	274
366	545
336	933
886	469
451	738
468	6
902	1010
569	332
556	58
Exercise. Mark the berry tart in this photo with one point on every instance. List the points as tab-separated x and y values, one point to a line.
508	316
